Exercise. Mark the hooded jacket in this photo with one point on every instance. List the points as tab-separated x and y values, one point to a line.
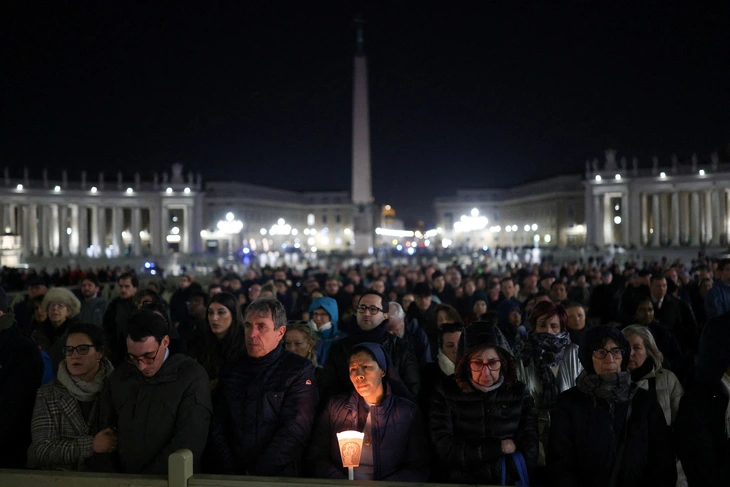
156	416
326	337
703	445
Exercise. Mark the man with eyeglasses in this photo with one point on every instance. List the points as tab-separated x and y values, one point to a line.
372	326
158	403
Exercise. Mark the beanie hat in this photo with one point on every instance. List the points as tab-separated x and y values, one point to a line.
592	341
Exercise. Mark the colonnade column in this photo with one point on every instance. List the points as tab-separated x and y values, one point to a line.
709	231
156	236
27	218
185	241
675	218
164	228
136	224
685	230
117	220
63	229
717	219
625	220
656	225
695	219
82	225
644	219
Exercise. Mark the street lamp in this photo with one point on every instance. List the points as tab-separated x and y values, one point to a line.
230	226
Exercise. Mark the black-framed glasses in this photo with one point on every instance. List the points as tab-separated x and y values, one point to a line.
323	314
145	359
83	349
602	353
373	310
478	365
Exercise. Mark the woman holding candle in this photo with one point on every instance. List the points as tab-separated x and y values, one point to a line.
394	446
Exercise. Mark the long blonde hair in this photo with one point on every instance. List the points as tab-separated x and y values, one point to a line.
649	343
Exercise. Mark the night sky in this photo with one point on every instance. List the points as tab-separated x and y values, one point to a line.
462	94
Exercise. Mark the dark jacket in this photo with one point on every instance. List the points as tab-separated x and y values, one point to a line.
427	321
467	429
21	370
156	416
419	341
336	373
93	311
702	443
264	414
400	448
52	340
115	327
585	435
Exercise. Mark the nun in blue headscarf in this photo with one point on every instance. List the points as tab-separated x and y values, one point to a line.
324	316
395	446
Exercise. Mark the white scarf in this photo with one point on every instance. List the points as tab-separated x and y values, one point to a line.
445	363
79	389
324	327
726	385
487	389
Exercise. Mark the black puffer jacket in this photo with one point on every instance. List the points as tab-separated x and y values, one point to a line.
336	374
400	449
264	410
467	429
585	435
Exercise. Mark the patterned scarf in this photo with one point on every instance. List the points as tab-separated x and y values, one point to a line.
81	390
614	387
544	351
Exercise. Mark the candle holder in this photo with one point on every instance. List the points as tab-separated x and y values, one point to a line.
350	450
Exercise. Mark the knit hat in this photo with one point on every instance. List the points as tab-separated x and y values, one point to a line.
422	289
481	334
375	349
3	301
592	341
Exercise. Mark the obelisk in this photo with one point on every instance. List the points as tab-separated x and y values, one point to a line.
362	187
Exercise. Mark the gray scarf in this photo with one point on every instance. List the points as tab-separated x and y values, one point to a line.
615	387
81	390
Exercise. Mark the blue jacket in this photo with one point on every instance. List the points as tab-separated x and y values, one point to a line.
717	300
263	413
400	446
326	337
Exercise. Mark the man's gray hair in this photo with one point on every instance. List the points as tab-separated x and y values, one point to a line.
396	312
268	307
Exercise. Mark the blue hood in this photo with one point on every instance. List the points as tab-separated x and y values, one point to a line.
329	305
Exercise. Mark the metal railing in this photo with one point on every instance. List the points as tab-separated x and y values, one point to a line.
180	474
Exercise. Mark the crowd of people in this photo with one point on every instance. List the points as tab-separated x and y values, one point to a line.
577	375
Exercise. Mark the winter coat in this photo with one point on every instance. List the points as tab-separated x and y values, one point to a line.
703	445
467	429
419	341
336	374
400	448
93	311
717	300
585	435
264	414
115	327
326	337
52	340
668	391
156	416
21	370
62	439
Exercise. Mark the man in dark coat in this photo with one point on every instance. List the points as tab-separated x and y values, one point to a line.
157	402
21	370
265	404
372	321
703	436
117	314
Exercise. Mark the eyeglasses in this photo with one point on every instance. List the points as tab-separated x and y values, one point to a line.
82	349
321	315
373	310
602	353
478	365
56	305
145	359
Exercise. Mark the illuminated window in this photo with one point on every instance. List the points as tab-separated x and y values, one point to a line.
310	219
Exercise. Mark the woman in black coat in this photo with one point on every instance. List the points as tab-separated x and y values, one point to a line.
606	431
482	413
395	446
